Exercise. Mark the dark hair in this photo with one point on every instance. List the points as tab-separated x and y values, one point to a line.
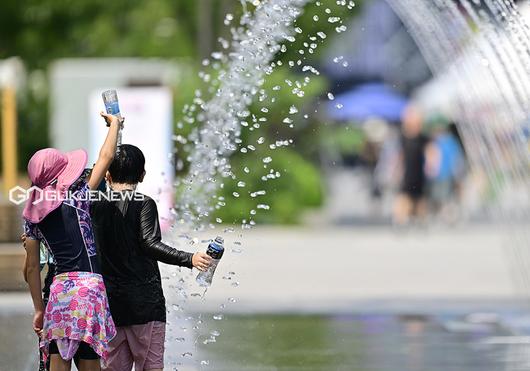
128	165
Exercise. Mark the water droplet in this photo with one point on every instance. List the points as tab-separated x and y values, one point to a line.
228	18
256	194
205	362
331	96
218	317
217	55
187	354
315	18
293	110
180	340
215	333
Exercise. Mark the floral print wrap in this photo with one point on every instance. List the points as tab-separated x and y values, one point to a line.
78	311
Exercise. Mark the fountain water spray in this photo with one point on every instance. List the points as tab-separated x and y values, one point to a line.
255	42
240	73
481	49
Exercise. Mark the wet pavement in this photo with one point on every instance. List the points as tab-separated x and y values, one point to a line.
432	338
364	342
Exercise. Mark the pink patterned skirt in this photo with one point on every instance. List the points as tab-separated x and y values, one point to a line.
77	311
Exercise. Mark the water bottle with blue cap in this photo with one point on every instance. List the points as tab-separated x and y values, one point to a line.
110	98
215	250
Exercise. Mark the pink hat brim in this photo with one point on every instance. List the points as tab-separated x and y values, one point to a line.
76	164
77	161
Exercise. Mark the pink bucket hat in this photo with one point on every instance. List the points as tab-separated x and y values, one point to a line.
53	172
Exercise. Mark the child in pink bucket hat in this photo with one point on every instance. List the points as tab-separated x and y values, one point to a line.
76	320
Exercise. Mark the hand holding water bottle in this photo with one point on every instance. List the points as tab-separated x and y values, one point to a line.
201	261
215	252
112	119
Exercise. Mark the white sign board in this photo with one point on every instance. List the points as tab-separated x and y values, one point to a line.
148	125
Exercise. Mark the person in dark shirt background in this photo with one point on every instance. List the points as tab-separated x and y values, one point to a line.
410	202
128	237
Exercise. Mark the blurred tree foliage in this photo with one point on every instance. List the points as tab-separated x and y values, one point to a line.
40	31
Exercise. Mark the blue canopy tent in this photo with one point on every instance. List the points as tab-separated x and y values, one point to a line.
373	100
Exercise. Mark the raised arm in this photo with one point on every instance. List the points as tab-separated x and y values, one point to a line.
107	152
156	249
34	282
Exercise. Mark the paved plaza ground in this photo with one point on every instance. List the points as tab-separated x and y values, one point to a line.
331	270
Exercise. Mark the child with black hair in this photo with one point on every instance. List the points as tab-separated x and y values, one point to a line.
129	239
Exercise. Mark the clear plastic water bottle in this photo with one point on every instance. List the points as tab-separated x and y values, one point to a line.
110	98
215	250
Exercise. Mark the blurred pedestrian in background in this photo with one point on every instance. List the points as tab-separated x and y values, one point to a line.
445	168
410	202
375	131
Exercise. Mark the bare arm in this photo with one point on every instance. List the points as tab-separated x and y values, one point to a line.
107	152
34	282
25	266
